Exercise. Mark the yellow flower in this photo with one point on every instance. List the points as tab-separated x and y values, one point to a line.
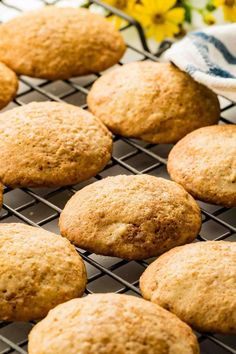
209	19
229	8
159	18
122	5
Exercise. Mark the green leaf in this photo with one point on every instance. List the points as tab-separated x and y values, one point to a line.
210	7
188	13
86	4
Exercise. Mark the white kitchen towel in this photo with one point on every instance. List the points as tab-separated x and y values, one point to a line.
209	56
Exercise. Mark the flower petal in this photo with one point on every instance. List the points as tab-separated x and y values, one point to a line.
144	18
158	6
175	15
141	10
117	21
150	32
151	5
170	29
230	13
159	33
218	2
209	19
162	31
110	2
165	5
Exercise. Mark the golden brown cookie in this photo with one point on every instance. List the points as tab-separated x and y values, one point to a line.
131	217
1	195
51	144
155	102
204	163
38	270
111	324
8	85
197	282
58	43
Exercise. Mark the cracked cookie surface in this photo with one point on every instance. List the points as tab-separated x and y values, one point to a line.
1	195
155	102
204	163
131	217
38	270
196	282
59	43
51	144
111	323
8	85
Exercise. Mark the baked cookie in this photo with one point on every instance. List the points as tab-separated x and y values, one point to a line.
196	282
204	163
58	43
38	270
8	85
51	144
155	102
1	195
111	323
131	217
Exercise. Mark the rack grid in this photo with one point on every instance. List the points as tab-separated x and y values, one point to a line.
41	207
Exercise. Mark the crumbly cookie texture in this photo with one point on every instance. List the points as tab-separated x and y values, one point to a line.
111	323
1	195
38	270
131	217
59	43
51	144
155	102
197	282
8	85
204	163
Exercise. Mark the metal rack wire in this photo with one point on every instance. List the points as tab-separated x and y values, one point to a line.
41	207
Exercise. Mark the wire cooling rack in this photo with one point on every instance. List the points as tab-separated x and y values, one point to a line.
41	207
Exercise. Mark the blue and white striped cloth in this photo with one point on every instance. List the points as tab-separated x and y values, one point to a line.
209	56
